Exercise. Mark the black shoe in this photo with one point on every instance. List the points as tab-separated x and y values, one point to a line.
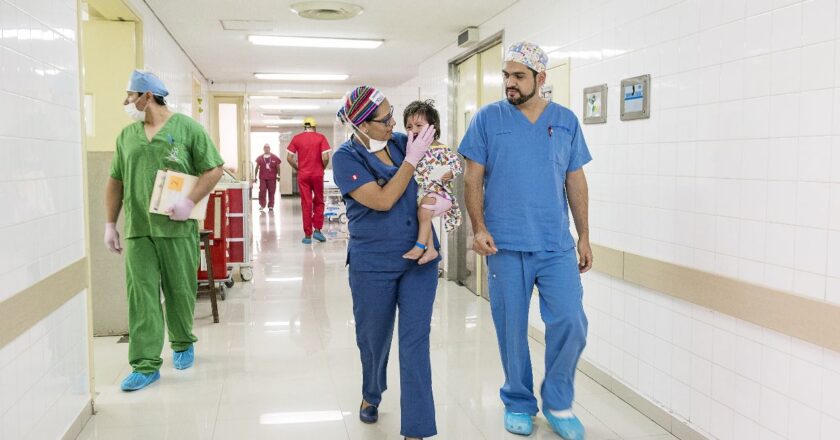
368	415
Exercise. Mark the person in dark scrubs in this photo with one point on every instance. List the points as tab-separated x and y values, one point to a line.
374	170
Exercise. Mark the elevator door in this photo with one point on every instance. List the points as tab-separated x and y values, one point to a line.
466	106
479	82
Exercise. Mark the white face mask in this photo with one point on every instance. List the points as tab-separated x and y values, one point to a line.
374	145
133	113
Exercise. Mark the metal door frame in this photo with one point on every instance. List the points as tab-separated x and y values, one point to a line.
456	266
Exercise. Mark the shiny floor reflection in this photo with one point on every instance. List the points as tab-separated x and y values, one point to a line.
283	363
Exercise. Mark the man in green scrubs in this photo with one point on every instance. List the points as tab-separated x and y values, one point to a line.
161	251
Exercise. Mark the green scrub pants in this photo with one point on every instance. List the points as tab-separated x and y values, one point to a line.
153	265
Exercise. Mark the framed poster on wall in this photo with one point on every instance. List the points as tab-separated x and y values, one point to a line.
635	98
595	104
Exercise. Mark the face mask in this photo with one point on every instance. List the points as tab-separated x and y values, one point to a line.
373	144
133	113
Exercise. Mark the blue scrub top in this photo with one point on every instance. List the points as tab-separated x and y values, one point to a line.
378	239
525	166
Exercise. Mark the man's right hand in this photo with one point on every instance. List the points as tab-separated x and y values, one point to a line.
483	243
112	238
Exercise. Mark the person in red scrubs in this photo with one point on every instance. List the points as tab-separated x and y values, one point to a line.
309	154
268	171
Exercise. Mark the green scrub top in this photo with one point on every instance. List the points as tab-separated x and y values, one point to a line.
181	145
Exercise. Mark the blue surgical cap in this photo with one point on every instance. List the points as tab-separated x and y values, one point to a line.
142	82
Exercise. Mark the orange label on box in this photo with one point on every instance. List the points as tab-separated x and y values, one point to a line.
176	183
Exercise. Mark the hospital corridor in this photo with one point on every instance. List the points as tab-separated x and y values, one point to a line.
397	220
283	363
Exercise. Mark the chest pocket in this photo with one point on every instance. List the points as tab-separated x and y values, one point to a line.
560	148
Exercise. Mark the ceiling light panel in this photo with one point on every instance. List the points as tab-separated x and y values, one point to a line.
340	43
290	107
301	76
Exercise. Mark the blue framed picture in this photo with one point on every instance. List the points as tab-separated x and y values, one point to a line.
635	98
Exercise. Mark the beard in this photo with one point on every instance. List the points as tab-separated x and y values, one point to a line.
522	97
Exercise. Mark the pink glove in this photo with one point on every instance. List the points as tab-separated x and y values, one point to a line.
112	238
418	144
442	204
181	210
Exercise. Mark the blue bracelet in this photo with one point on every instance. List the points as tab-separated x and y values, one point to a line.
420	245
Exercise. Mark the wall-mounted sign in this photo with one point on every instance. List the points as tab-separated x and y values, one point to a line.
595	104
635	98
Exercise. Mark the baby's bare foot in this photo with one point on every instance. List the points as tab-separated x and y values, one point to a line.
413	254
430	254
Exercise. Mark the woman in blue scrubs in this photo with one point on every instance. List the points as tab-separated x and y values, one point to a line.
375	172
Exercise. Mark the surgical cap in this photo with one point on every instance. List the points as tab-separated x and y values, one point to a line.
142	82
528	54
359	104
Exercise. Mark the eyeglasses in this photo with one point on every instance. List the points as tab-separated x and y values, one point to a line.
387	119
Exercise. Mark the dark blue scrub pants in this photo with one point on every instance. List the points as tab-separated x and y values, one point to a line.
511	279
376	298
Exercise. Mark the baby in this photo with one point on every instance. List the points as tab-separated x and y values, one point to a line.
434	176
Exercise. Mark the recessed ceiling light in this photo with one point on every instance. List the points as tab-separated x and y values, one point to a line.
341	43
272	126
326	10
283	121
300	92
301	76
290	107
264	97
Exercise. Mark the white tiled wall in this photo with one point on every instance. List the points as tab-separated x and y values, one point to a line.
737	172
164	57
44	372
727	378
41	229
733	174
44	375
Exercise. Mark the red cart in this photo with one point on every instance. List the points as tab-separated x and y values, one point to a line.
217	221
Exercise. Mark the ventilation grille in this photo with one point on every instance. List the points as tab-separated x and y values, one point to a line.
326	10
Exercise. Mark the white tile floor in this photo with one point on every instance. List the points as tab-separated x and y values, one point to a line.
283	363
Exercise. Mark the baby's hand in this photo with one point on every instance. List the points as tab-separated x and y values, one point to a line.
446	178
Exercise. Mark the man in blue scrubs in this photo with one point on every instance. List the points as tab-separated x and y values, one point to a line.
524	159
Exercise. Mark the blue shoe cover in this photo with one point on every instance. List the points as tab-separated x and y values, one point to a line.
306	240
567	428
184	359
136	381
319	236
518	423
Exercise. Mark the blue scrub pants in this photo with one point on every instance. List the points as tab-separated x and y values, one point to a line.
376	298
511	279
